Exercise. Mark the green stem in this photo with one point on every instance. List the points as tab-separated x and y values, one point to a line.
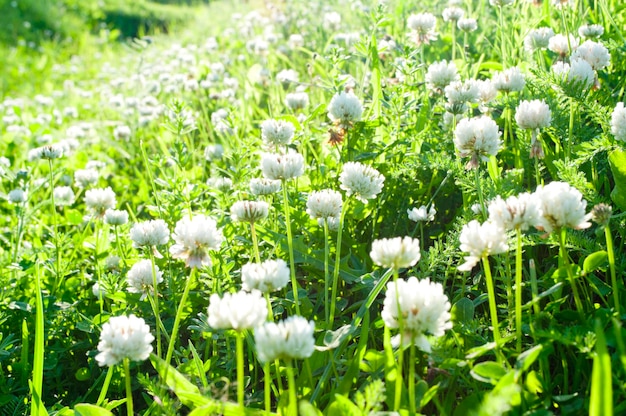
479	190
179	313
570	132
518	291
240	382
105	387
157	316
55	231
326	274
267	387
491	293
565	260
453	40
129	390
37	406
502	38
611	254
292	269
293	398
398	391
412	380
255	243
333	296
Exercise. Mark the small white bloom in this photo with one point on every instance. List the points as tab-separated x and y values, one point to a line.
364	182
618	122
595	53
268	276
277	132
98	200
150	233
297	100
17	196
63	196
282	166
213	152
86	177
194	237
560	45
509	80
562	206
422	27
263	186
591	31
249	211
396	252
288	339
124	337
239	311
577	72
521	211
344	109
452	14
425	310
477	137
481	240
287	77
441	74
122	132
116	217
140	279
222	184
422	214
533	114
323	204
538	39
467	24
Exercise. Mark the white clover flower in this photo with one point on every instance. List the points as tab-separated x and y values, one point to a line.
422	214
53	151
467	24
618	122
297	100
287	77
364	182
288	339
331	20
562	206
481	240
477	137
268	276
591	31
396	253
149	234
295	41
324	204
282	166
452	14
112	263
595	53
213	152
509	80
124	337
98	200
122	132
422	27
222	184
487	91
239	311
194	237
86	177
63	196
249	211
425	310
345	109
559	44
263	186
533	114
459	94
116	217
140	279
277	132
517	212
577	72
17	196
538	39
441	74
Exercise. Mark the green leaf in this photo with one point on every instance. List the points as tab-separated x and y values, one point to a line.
488	372
594	261
307	409
617	162
601	400
528	357
86	409
187	392
463	311
342	406
332	339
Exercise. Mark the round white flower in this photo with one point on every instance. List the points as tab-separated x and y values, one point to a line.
213	152
560	45
618	122
140	279
477	137
509	80
562	206
538	39
364	182
591	31
521	211
98	200
249	211
422	27
17	196
425	310
595	53
467	24
149	233
86	177
297	100
277	132
287	77
288	339
422	214
124	337
122	132
452	14
116	217
577	72
239	311
441	74
268	276
344	109
282	166
194	237
533	114
396	252
323	204
263	186
481	240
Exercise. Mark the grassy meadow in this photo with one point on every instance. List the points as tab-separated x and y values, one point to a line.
313	208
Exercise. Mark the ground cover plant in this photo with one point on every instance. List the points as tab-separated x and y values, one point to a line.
336	208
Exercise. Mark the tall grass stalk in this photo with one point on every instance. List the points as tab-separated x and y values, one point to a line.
105	386
129	389
36	386
179	313
493	310
293	397
55	231
333	296
518	290
292	264
565	261
611	256
240	374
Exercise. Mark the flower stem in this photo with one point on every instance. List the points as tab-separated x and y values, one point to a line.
518	291
255	243
412	381
55	231
179	312
129	390
326	274
157	316
565	260
398	391
267	387
491	293
333	296
479	190
240	385
105	387
611	254
292	266
293	398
